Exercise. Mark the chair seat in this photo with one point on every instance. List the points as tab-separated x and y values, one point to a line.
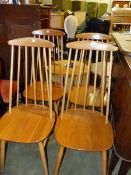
89	98
84	130
26	124
57	92
57	67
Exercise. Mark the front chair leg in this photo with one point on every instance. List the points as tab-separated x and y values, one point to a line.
2	154
59	159
104	163
43	156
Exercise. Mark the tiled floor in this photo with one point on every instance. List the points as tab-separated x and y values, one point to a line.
23	159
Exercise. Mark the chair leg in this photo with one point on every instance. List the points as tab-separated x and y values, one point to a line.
104	163
43	156
56	104
59	159
2	154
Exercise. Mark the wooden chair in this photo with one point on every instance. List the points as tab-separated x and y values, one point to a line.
57	37
29	122
100	37
82	128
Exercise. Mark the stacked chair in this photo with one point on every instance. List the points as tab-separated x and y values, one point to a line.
57	37
29	122
85	125
99	37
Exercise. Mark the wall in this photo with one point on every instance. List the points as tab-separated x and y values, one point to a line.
81	4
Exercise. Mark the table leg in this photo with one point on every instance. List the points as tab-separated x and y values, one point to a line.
113	161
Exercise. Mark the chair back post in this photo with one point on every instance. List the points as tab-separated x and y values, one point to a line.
11	78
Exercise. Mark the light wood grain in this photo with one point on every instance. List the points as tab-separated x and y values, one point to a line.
26	124
84	130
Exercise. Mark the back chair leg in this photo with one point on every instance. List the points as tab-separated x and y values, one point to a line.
43	156
56	108
104	163
59	159
2	154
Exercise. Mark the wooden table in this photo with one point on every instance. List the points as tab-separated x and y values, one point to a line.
123	41
121	105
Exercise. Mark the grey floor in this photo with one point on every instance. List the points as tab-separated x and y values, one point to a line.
24	159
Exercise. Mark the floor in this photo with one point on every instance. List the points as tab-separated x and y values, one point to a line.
24	159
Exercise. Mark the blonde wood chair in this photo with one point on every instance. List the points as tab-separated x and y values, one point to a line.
82	128
29	122
57	37
99	37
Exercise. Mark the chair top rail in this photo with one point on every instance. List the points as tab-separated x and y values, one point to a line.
31	42
91	45
48	32
94	36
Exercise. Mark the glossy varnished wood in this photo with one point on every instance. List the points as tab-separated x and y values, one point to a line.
57	92
62	67
89	98
92	45
84	130
23	122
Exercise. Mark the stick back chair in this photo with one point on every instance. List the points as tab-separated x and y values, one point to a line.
82	128
57	37
29	122
99	37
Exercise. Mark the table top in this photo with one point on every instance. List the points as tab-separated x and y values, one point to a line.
123	41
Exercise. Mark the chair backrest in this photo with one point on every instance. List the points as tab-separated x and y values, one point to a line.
94	36
70	26
90	89
24	54
55	36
